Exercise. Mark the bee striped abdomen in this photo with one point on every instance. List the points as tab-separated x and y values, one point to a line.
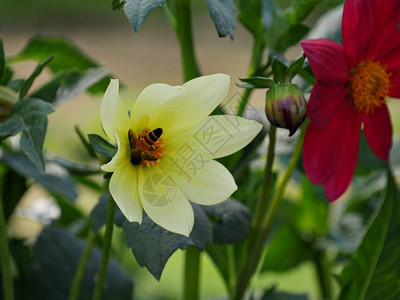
149	139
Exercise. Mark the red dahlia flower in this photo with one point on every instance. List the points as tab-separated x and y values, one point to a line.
353	82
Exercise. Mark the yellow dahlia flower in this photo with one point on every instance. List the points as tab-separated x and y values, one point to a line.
166	145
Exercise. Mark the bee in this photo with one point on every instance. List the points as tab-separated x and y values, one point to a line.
141	146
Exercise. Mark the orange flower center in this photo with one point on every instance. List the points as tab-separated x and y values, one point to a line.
146	148
369	85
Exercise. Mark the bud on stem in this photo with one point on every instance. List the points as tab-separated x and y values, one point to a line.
286	106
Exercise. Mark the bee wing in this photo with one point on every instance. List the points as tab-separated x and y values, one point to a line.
148	156
132	139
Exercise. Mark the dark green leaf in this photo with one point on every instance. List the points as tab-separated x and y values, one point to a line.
285	251
64	187
153	245
8	74
291	37
232	221
67	85
2	61
294	68
137	11
16	84
259	82
117	4
223	13
272	294
29	81
32	113
68	56
11	127
14	186
307	74
279	70
374	271
82	137
99	212
57	253
102	146
75	168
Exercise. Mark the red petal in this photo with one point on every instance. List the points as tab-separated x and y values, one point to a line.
327	152
327	61
324	102
357	28
395	88
386	35
378	131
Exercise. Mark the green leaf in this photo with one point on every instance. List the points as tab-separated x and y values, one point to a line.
294	68
56	256
223	13
285	251
2	61
16	84
232	221
32	113
68	56
75	168
259	82
374	271
312	210
11	127
63	187
8	73
69	84
102	146
279	70
88	147
137	11
99	213
250	15
368	162
153	245
29	81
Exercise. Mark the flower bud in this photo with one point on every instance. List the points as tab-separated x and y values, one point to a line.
286	106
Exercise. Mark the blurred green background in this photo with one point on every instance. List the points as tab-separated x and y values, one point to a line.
137	60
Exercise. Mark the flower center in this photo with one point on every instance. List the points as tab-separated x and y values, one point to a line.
369	85
146	148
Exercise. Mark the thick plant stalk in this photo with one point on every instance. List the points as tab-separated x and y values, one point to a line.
80	271
8	287
98	292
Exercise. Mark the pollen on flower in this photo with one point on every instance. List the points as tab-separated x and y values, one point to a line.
146	148
369	86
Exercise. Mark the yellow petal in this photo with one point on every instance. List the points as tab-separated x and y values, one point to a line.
114	115
124	189
201	96
150	101
217	136
121	158
163	201
202	180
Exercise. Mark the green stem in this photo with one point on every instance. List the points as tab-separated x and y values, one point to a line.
283	184
183	29
8	287
255	62
258	247
323	275
80	271
248	268
192	274
230	253
106	250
